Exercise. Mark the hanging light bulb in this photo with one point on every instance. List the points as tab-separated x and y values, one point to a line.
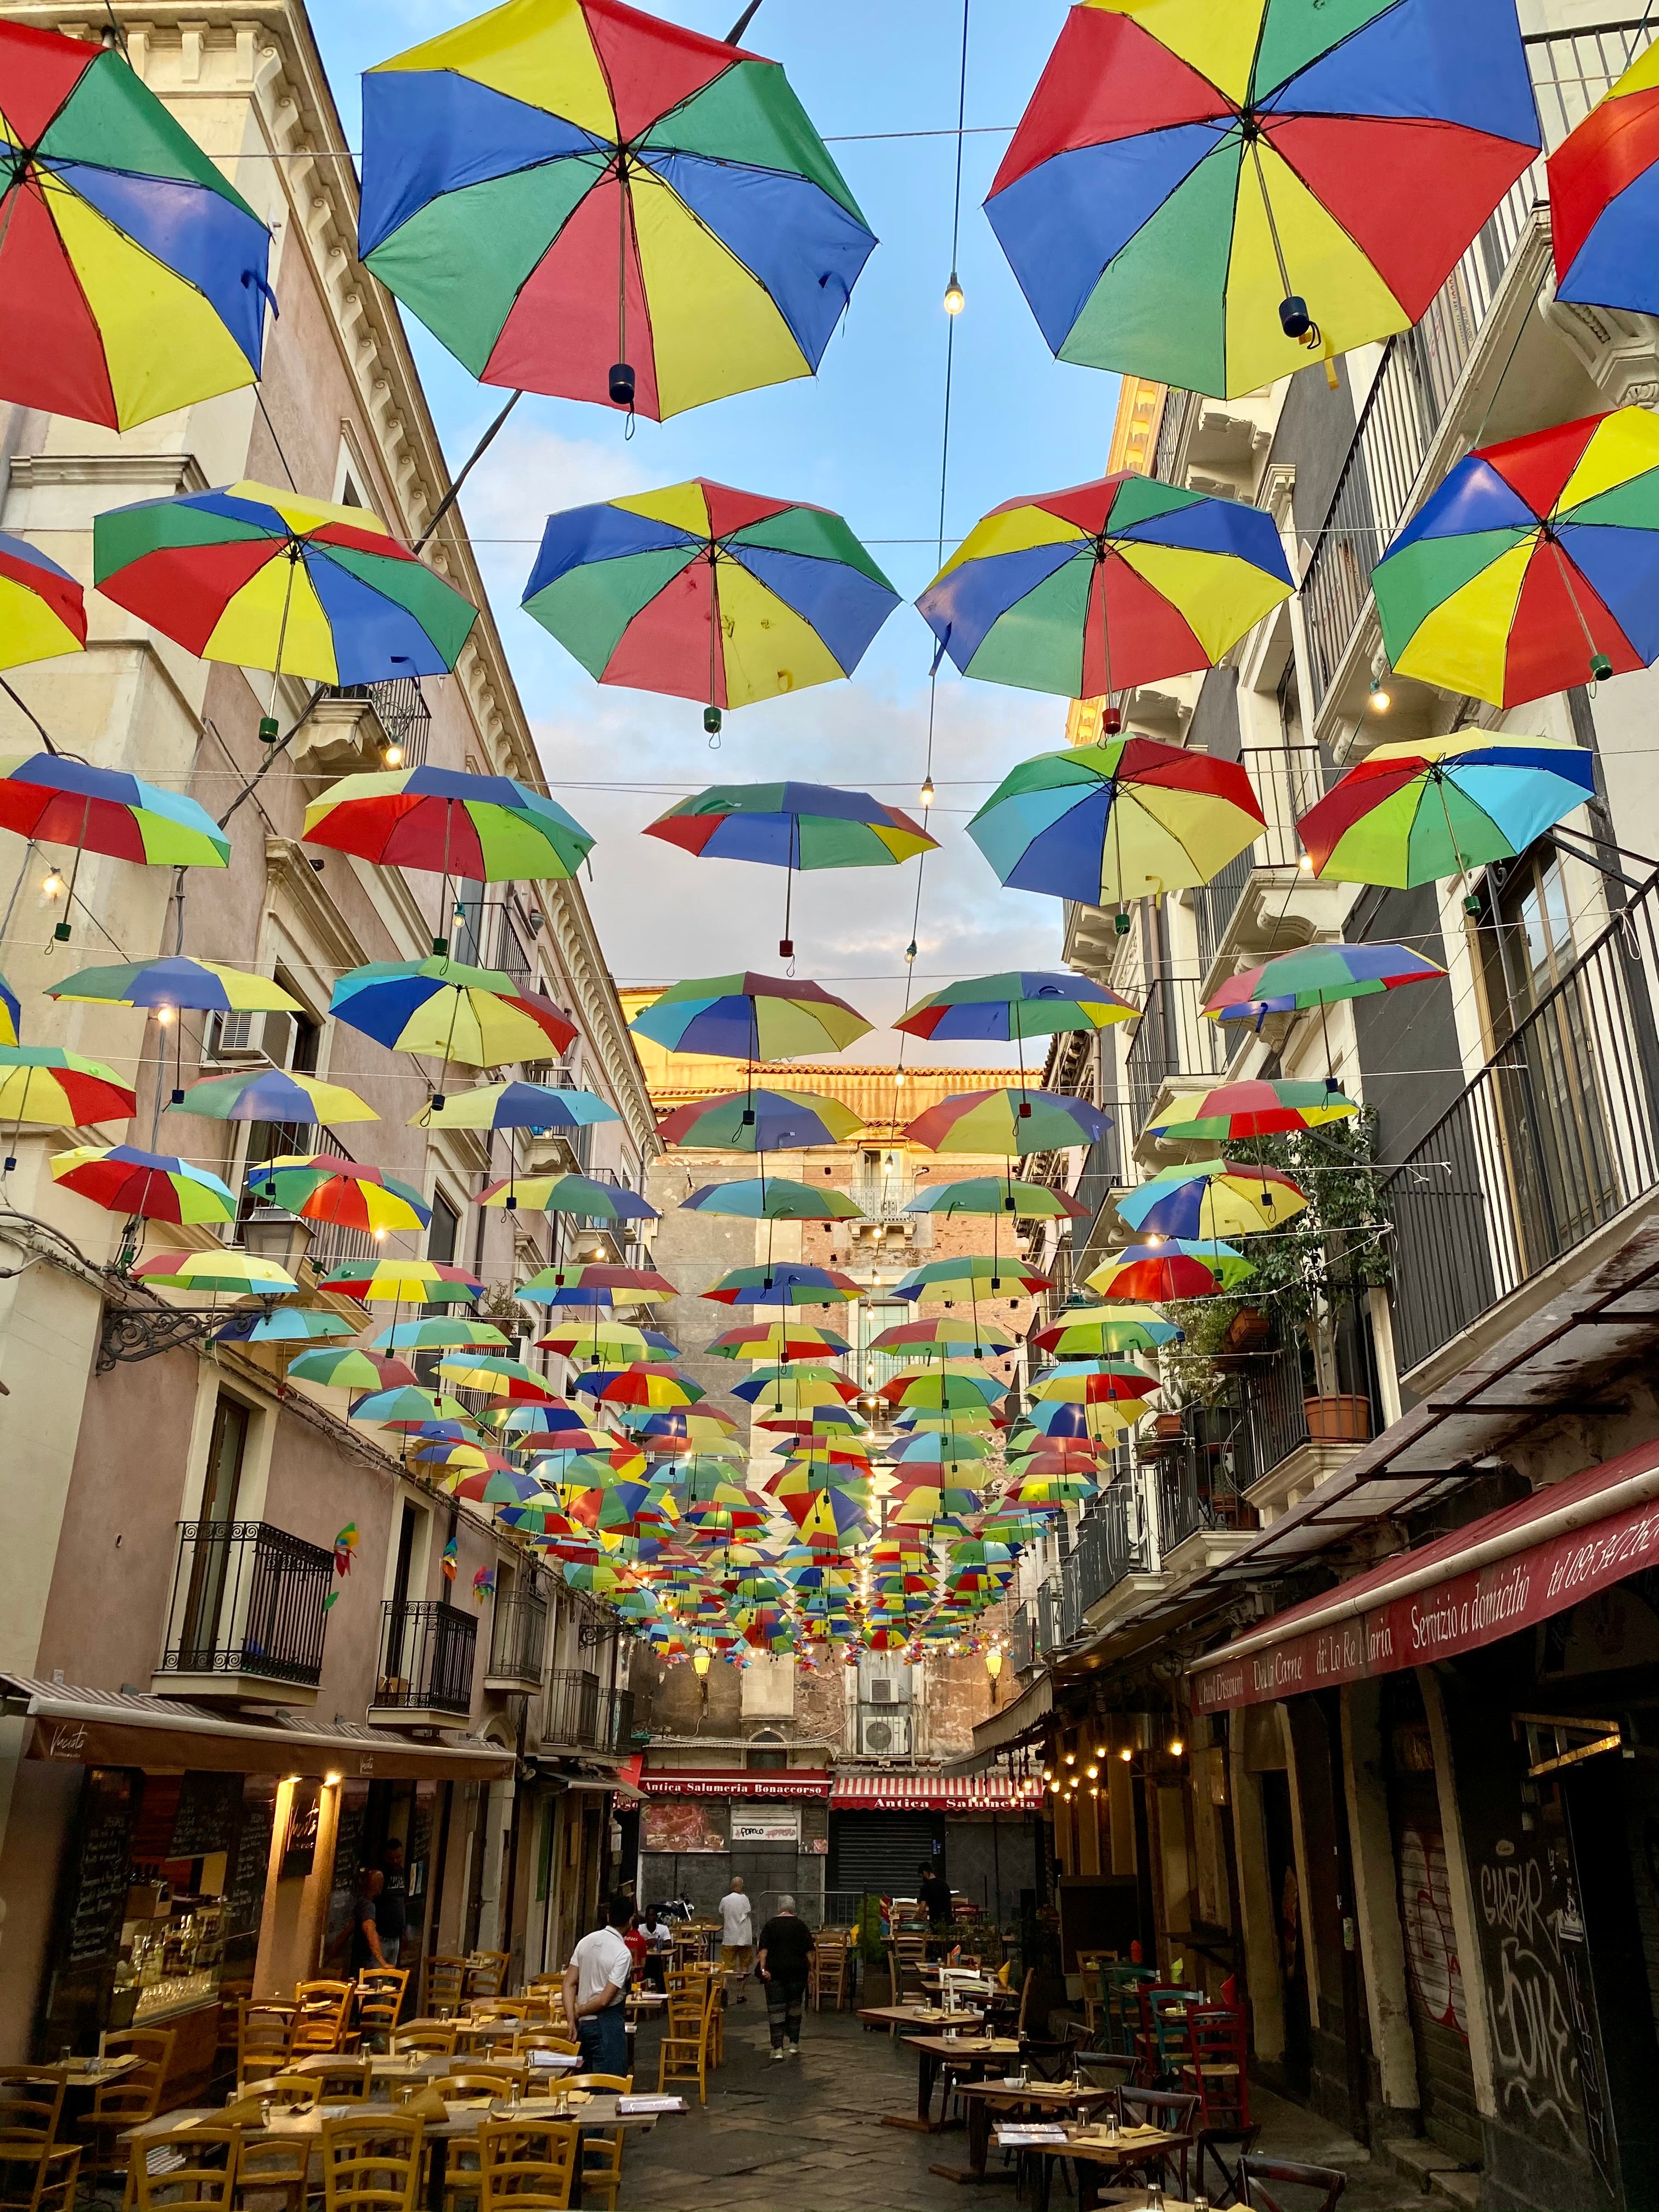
393	754
164	1016
1380	701
955	298
54	886
928	794
700	1661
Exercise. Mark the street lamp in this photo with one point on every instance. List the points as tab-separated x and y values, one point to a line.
993	1668
284	1238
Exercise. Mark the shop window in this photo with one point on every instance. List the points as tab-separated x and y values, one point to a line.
444	1232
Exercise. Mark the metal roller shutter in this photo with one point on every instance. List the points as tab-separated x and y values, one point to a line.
879	1853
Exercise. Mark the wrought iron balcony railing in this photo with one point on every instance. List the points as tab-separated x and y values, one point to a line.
426	1658
581	1711
1172	1037
1110	1543
1288	780
247	1600
518	1640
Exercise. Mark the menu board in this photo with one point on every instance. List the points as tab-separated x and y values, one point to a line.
245	1882
209	1806
92	1901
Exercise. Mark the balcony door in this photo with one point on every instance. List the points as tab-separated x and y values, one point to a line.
220	1491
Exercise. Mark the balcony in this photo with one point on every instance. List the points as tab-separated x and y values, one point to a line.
357	726
1176	1048
580	1713
425	1673
1261	901
1109	1547
246	1616
1553	1140
518	1641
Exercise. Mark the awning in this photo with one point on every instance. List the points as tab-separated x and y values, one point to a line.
1498	1576
734	1782
1022	1718
934	1793
109	1727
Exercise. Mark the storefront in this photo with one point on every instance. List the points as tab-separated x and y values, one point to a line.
976	1831
1500	1684
699	1827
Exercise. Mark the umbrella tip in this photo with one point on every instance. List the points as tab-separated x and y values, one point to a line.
621	384
1293	317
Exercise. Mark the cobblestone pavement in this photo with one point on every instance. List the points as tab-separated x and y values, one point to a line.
807	2136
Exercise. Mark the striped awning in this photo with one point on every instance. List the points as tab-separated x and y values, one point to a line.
934	1793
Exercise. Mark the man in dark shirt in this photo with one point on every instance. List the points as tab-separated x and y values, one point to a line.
933	1895
392	1907
781	1960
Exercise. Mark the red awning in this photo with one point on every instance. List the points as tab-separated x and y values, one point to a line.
733	1782
1500	1574
932	1793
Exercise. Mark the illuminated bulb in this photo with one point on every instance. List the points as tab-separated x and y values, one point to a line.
1306	864
164	1015
955	299
928	794
380	1237
1071	1759
1126	1754
898	1078
1380	701
1176	1746
1094	1772
393	755
54	886
700	1661
1155	1238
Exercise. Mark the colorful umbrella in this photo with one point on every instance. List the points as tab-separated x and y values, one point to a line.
320	1187
749	1017
784	1283
1169	1268
1095	590
1317	975
405	1409
43	1082
962	1334
269	580
57	801
11	1014
132	276
777	1340
595	1283
1104	824
449	822
792	826
1011	1121
1436	807
1203	196
1256	1108
1004	1009
1219	1199
1086	1333
534	1106
237	1274
991	1195
404	1282
346	1367
42	612
494	1376
570	1194
970	1276
772	1198
595	1340
640	1383
436	1331
760	1121
704	592
1603	200
589	202
298	1325
1093	1382
496	1486
273	1094
205	985
1532	568
477	1016
156	1186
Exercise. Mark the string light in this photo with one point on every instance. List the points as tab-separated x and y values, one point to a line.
928	794
393	755
164	1016
54	886
1380	701
955	298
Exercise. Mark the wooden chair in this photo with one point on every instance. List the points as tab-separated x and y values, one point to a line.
204	2181
344	2081
1160	2040
602	2155
1216	2065
274	2165
526	2165
1090	1967
828	1972
485	1975
287	2089
1122	2013
1176	2115
443	1977
320	2015
381	1998
682	2055
543	2039
38	2173
424	2039
500	2008
136	2097
372	2164
904	1969
484	2077
262	2035
1225	2149
1258	2171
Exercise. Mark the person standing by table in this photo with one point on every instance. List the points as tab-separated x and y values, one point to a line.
786	1947
595	1991
933	1896
738	1934
660	1937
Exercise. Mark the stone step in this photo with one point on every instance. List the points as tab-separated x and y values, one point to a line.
1417	2158
1460	2188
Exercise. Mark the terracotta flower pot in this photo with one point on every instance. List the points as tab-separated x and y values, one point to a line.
1342	1419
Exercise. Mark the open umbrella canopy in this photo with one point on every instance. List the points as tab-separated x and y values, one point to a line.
772	1198
1093	1382
1256	1108
476	1016
1108	823
1531	569
991	1195
267	579
533	1106
968	1276
933	1447
58	801
1435	807
964	1335
640	1383
348	1367
42	610
723	596
1172	1268
749	1017
760	1121
494	1376
1092	1332
11	1014
156	1186
508	161
1202	195
450	822
404	1282
1318	975
237	1274
784	1283
943	1393
1215	1198
321	1186
595	1340
777	1340
439	1331
1003	1009
792	825
568	1193
298	1325
595	1283
1604	196
272	1094
1013	1121
206	986
43	1082
132	275
1092	591
497	1487
407	1410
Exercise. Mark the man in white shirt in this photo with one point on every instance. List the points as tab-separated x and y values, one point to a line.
595	1992
738	1936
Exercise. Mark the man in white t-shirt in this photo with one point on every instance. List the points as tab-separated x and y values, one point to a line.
595	1995
738	1936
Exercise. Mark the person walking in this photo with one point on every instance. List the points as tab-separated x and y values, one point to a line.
785	1947
595	1990
738	1934
933	1895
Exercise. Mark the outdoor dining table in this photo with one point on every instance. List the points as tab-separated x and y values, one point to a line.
95	2072
1094	2158
1036	2100
959	2053
392	2066
465	2117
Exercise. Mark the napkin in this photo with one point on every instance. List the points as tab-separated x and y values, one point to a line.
426	2105
245	2113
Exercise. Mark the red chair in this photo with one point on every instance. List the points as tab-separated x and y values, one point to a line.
1326	2178
1216	2066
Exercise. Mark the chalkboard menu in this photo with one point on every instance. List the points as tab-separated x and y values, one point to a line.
209	1806
349	1842
92	1901
245	1878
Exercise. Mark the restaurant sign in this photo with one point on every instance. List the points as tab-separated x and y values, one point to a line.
1435	1619
736	1782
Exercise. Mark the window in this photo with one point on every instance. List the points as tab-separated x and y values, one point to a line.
441	1238
221	1485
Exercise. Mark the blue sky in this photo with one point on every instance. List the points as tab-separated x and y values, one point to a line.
864	437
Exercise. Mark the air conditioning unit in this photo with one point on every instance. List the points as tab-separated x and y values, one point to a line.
238	1038
885	1735
881	1691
